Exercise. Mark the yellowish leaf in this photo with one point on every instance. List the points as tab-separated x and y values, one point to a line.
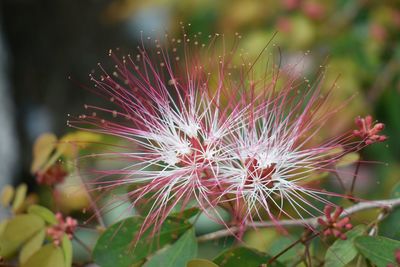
33	245
20	195
42	149
70	143
3	225
17	231
67	249
48	256
348	159
46	214
6	195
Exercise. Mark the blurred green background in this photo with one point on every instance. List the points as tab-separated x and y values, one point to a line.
44	42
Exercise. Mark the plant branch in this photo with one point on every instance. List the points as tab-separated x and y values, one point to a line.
310	222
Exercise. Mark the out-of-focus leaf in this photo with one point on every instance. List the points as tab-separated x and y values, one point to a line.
303	32
46	214
348	159
6	195
186	214
70	143
244	257
3	225
48	256
260	239
341	252
280	243
20	195
177	255
72	194
396	191
116	247
42	149
204	224
17	231
33	245
67	250
379	250
201	263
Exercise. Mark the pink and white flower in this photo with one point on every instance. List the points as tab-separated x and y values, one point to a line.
276	151
195	132
174	122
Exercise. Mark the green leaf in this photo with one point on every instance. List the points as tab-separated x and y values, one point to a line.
177	255
341	252
116	247
283	241
46	214
379	250
186	214
19	198
201	263
3	225
33	245
17	231
42	149
6	195
48	256
243	257
396	191
348	159
67	250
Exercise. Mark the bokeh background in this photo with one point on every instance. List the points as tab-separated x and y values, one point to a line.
43	42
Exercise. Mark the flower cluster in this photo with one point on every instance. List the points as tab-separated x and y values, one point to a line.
65	226
333	224
55	174
208	131
368	131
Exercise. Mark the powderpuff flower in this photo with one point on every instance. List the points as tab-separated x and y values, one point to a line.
272	156
369	131
174	123
196	132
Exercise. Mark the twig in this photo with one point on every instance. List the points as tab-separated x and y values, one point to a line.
303	240
353	182
310	222
86	247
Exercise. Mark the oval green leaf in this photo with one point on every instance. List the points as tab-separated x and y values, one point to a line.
7	194
116	248
379	250
20	194
42	149
46	214
341	252
67	250
201	263
396	191
348	159
186	214
33	245
17	231
48	256
244	257
177	255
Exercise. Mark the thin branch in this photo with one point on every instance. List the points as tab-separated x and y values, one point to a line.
310	222
86	247
353	182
